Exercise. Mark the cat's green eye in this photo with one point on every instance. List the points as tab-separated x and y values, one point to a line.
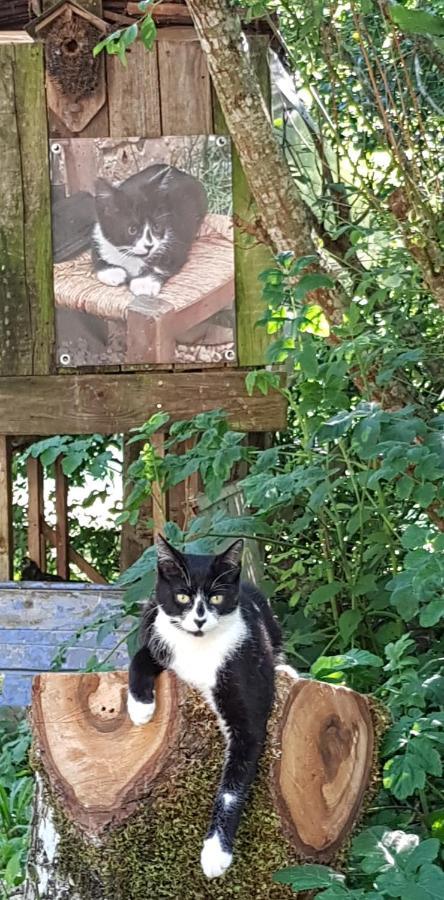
216	599
182	598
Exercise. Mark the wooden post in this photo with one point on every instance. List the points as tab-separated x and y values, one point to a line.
26	283
130	823
134	538
6	533
62	528
159	498
36	513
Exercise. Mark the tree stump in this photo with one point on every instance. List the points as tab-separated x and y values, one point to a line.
121	812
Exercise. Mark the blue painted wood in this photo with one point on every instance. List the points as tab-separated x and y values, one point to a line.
35	619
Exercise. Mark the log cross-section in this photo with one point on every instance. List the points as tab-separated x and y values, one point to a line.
98	763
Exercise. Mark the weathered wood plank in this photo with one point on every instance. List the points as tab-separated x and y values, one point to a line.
185	92
36	539
62	527
133	94
26	307
6	535
84	404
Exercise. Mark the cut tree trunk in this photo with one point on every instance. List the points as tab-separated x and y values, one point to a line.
121	812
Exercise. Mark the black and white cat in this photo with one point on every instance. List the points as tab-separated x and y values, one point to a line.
219	635
145	227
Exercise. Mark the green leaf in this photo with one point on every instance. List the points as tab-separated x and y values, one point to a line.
129	35
416	21
324	593
308	359
435	823
432	613
311	282
306	877
348	623
429	885
325	665
148	32
414	536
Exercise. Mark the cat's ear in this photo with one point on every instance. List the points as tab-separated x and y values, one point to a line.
104	191
227	565
170	562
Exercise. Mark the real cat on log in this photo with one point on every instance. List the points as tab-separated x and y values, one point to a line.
218	634
145	227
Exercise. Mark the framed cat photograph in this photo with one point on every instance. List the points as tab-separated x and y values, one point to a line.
143	251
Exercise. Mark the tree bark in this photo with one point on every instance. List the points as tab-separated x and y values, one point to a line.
121	812
281	208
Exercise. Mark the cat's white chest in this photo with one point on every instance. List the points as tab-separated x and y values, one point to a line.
197	660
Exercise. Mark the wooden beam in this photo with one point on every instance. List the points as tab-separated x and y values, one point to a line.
36	513
6	534
109	404
62	528
75	557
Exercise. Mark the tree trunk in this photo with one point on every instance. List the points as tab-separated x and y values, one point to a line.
121	812
282	210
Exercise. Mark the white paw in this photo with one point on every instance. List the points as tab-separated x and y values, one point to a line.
112	277
213	859
148	286
139	713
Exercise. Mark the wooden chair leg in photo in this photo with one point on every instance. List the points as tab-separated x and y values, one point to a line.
150	338
36	513
6	533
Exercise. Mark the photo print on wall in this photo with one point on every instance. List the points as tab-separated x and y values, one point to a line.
143	250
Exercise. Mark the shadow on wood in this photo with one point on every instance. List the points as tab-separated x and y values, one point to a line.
121	812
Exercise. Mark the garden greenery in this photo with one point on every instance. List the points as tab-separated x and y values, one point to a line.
348	503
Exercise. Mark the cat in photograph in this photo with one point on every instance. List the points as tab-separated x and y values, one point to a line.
145	227
218	634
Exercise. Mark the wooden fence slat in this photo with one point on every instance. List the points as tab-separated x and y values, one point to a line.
62	528
110	404
75	557
134	538
36	538
185	92
26	302
133	94
6	534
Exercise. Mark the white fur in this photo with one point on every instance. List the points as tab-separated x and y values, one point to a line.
229	799
197	660
112	277
146	244
139	713
133	265
214	860
283	667
147	286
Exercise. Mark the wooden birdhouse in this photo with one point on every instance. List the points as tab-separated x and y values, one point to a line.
75	79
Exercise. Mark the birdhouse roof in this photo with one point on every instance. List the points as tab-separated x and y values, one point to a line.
38	24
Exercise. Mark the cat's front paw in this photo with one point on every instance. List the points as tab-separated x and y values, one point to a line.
146	286
214	859
140	713
112	277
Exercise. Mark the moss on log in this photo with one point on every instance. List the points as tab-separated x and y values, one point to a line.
142	839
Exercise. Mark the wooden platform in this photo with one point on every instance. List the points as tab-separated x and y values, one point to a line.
37	618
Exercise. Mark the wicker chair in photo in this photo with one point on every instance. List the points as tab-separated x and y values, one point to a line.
202	288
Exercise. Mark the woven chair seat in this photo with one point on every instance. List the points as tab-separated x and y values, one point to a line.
208	269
